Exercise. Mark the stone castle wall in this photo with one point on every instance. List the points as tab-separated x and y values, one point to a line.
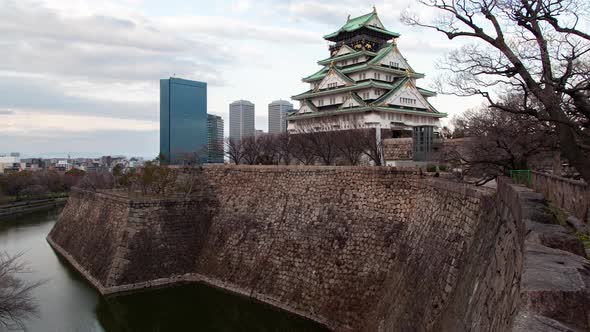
398	148
573	196
355	248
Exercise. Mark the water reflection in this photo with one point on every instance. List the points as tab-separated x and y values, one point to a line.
194	308
68	303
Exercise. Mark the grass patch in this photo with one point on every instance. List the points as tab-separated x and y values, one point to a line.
584	238
560	216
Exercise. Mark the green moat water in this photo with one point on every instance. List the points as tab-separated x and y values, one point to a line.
68	304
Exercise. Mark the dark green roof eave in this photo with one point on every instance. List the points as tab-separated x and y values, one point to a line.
345	57
319	75
359	22
387	32
427	92
366	109
368	83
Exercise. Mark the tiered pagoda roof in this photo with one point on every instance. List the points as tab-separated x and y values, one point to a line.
364	57
368	21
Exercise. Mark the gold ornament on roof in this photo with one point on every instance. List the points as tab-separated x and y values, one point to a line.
374	9
348	18
332	64
408	72
368	46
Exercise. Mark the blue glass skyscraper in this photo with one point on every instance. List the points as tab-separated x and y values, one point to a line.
183	121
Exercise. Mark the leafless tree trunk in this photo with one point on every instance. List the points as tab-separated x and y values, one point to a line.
369	145
535	49
284	147
189	180
348	144
302	150
495	143
251	148
322	139
16	300
234	150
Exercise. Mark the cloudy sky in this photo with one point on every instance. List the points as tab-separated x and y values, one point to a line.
82	76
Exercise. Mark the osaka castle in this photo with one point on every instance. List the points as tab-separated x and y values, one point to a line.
364	83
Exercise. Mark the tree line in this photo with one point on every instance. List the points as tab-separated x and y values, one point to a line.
31	185
309	146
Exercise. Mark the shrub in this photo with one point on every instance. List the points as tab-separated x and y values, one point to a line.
431	168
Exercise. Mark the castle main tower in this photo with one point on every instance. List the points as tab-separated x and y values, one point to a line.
364	83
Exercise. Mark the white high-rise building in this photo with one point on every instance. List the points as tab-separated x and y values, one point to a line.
277	116
241	119
365	82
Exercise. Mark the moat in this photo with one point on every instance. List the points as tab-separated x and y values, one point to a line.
69	303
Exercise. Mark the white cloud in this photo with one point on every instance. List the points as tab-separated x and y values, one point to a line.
24	123
78	68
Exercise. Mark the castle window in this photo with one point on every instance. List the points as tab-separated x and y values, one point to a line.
394	64
332	85
409	101
362	76
377	76
355	60
332	100
366	95
320	102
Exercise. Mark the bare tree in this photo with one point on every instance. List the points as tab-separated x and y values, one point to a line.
348	145
533	49
372	148
16	300
302	149
322	140
495	143
97	180
269	149
251	147
189	180
234	150
284	147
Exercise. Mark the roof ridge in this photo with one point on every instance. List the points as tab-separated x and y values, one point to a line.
343	76
381	53
392	91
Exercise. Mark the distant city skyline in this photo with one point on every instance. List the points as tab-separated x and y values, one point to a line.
183	120
242	115
277	116
84	79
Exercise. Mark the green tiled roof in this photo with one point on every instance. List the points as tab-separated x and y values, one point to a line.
342	76
396	87
356	97
387	32
364	109
362	85
345	57
381	54
308	104
319	74
359	22
425	92
322	73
